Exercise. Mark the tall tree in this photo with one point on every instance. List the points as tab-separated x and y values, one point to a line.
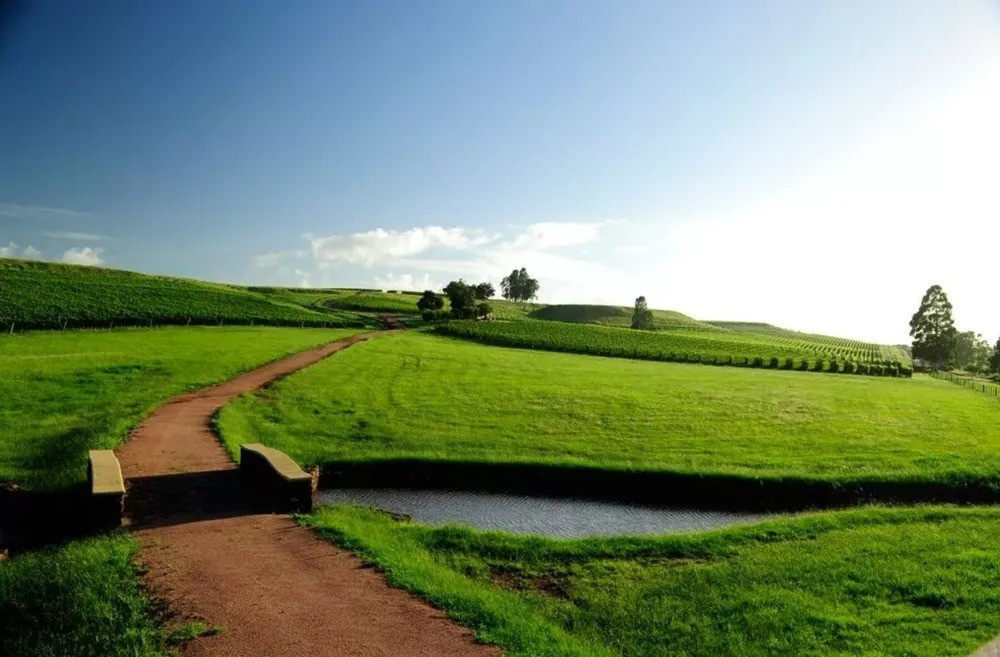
519	286
642	316
995	359
933	329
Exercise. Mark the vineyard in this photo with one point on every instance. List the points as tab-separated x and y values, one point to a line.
826	346
37	295
741	349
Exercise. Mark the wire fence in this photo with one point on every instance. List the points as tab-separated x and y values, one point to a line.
986	387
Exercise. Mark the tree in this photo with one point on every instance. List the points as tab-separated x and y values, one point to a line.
519	286
933	329
485	291
971	353
995	359
462	297
430	301
642	316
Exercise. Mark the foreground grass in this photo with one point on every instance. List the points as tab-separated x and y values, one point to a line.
424	396
76	600
64	393
874	582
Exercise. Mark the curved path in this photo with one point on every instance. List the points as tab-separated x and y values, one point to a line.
276	589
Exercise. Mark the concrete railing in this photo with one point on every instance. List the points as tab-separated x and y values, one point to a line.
275	479
107	488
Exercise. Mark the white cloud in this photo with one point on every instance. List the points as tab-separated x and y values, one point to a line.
83	256
269	259
407	282
381	246
556	234
12	250
303	278
82	237
18	211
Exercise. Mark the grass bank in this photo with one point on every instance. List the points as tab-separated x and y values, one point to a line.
79	599
421	396
64	393
899	583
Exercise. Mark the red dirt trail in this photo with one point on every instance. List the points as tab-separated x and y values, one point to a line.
276	589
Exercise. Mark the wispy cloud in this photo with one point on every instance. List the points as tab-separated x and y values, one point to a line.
80	237
556	234
423	256
18	211
405	282
380	246
84	255
277	258
14	251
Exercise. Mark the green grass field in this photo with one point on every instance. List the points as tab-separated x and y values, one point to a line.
63	393
742	349
430	397
41	295
875	582
619	316
79	599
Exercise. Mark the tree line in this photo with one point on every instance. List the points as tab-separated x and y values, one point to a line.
938	345
469	300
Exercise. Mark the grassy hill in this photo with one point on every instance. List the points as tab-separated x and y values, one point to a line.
615	316
41	295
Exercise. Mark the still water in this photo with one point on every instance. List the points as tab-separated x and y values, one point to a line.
526	514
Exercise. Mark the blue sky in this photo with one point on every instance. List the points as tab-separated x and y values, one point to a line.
816	165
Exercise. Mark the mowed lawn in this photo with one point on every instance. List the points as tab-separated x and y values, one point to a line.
875	582
63	393
427	396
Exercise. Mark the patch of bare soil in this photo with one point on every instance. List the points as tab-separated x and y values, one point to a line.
275	589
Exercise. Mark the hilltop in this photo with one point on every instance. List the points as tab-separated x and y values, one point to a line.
40	295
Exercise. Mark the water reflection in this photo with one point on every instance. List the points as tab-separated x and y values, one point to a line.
526	514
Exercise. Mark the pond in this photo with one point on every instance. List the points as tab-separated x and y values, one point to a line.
528	514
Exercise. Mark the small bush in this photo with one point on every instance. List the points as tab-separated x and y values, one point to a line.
818	366
757	362
848	367
834	366
773	364
435	315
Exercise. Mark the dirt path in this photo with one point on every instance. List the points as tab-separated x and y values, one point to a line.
274	587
